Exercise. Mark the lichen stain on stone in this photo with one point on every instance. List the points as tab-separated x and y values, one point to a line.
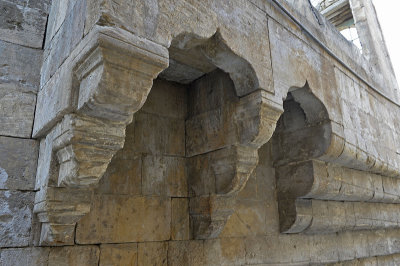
11	17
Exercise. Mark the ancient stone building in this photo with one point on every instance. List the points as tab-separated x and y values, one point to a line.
197	132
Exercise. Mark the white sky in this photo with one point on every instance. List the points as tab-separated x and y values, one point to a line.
388	15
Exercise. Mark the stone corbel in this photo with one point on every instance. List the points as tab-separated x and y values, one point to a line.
255	118
222	141
113	75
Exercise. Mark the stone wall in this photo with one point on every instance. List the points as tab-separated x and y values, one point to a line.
193	133
22	30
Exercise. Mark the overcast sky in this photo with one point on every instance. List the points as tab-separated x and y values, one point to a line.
388	15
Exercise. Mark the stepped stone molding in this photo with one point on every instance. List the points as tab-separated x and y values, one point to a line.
316	195
319	197
210	208
113	75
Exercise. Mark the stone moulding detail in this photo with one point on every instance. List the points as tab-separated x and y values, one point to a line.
255	118
112	77
317	190
315	197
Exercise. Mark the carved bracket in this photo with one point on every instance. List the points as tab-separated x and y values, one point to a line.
113	73
223	148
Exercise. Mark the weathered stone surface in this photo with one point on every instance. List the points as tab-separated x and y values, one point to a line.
19	83
166	99
159	135
123	177
153	253
119	254
128	219
15	218
163	175
33	256
225	251
18	108
16	70
23	23
298	183
85	142
180	227
77	255
193	153
68	32
18	162
190	253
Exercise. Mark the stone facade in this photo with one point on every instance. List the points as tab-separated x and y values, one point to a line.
184	132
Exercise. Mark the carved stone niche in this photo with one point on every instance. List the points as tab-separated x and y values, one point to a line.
229	118
303	133
316	196
113	72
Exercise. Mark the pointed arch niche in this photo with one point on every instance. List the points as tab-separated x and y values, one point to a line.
226	117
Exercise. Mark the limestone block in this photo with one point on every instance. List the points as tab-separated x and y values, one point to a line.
225	251
119	254
180	229
159	135
248	219
23	24
122	177
328	252
275	249
211	108
18	110
54	99
116	219
15	218
18	161
153	253
166	99
16	70
33	256
67	37
18	85
163	175
188	253
75	255
58	11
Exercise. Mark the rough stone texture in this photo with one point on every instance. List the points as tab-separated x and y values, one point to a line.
153	253
189	253
15	218
19	82
32	256
128	219
18	162
119	254
154	117
23	22
77	255
180	219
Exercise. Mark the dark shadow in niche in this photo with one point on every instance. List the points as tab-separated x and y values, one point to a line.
303	133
